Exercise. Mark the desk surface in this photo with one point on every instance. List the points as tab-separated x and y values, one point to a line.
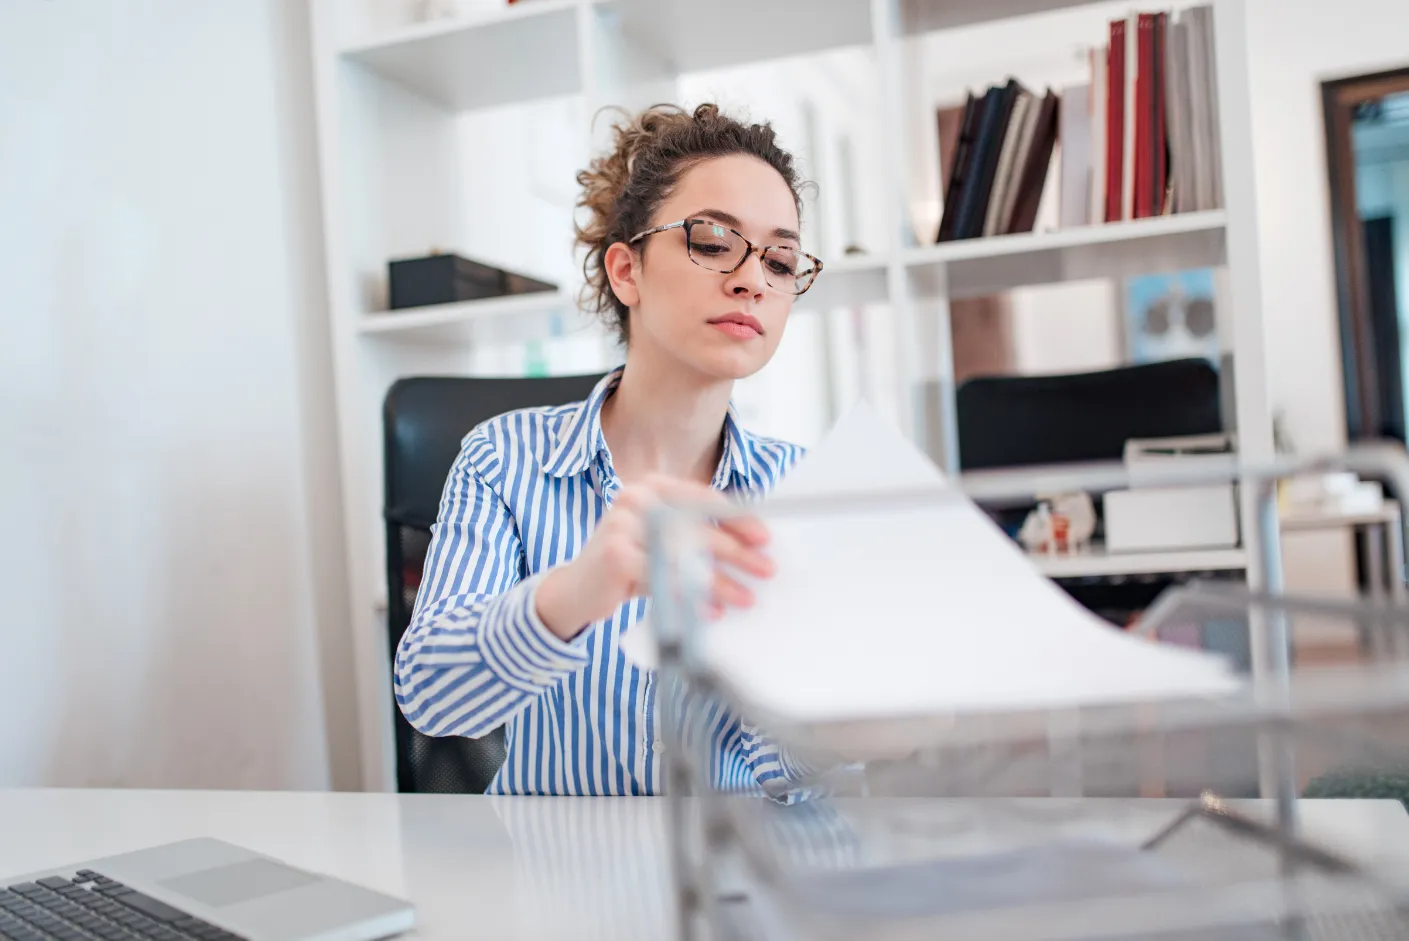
502	868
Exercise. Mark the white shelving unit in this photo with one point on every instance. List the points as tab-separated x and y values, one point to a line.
455	323
1097	562
397	162
445	60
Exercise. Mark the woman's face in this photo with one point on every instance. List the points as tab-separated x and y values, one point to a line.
721	326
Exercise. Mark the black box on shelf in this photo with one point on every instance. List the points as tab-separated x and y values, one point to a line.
444	279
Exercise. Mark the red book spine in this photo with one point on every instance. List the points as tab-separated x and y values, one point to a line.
1144	117
1115	119
1161	187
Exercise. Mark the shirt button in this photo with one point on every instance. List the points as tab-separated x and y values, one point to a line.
657	746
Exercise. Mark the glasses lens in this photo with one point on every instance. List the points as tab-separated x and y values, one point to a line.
714	247
788	270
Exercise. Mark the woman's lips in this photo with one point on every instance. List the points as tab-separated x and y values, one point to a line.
738	325
733	328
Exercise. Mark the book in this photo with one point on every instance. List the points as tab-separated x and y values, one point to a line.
1074	134
1204	17
1127	168
960	167
1115	122
1160	188
1100	99
1033	179
1020	162
949	124
1176	87
1144	116
973	206
1203	103
1007	161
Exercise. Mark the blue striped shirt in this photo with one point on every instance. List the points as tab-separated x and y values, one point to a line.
523	496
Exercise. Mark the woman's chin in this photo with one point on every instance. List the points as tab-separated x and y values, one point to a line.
726	365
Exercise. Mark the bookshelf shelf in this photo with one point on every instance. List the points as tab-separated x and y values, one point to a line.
690	38
849	281
974	267
520	53
928	16
529	314
1096	562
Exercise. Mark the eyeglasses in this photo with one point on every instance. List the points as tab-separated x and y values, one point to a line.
715	247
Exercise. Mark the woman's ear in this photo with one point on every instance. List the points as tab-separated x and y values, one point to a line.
620	264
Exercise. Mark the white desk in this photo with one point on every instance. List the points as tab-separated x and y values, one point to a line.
1384	556
508	869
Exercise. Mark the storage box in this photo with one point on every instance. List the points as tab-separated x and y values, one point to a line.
445	279
1168	518
1159	518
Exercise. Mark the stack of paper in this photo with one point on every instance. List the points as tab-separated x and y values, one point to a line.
920	608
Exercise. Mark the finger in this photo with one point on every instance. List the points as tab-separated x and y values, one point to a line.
640	498
728	550
729	592
750	530
625	563
630	526
635	498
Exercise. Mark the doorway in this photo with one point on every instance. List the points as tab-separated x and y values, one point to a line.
1367	137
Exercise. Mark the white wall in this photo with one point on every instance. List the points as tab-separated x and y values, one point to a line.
171	557
1293	48
1064	328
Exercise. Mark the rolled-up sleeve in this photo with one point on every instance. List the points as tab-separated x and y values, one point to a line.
476	652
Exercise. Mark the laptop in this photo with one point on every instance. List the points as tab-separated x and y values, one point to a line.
194	890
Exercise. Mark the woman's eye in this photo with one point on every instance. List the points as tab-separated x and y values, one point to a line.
709	249
780	267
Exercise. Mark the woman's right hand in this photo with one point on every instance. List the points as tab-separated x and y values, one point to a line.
611	568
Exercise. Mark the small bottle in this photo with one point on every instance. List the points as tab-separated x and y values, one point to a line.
1044	527
1061	531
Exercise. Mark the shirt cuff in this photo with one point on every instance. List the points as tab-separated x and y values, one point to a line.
517	646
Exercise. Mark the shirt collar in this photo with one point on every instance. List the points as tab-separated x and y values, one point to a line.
579	439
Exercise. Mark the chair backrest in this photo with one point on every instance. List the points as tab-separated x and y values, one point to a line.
424	420
1009	421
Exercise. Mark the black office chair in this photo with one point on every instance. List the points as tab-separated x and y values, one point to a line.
424	420
1009	421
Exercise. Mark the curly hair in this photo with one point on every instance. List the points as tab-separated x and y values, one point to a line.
651	151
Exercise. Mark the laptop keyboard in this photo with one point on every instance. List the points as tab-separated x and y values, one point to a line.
88	906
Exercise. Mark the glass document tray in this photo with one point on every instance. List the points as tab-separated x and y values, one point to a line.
1140	821
1049	869
1150	817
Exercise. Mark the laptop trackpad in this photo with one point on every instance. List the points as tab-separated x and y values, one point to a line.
239	882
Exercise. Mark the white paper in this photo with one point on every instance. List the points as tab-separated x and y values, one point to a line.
919	609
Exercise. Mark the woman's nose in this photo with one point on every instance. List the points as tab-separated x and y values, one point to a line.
748	277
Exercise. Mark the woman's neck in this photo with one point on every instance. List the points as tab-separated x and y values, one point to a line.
665	421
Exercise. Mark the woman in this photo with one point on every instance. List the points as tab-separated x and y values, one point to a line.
537	566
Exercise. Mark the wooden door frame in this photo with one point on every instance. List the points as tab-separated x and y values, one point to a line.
1339	99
